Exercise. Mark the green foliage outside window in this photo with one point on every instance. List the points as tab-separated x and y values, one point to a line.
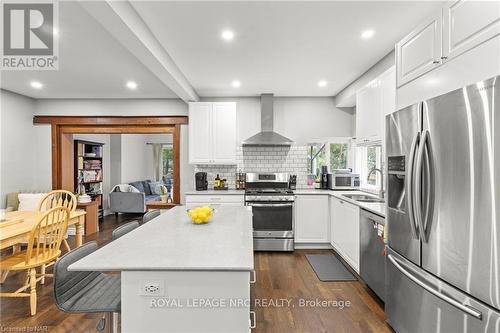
338	156
319	157
167	159
371	154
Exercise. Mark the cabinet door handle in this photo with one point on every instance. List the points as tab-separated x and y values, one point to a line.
444	58
253	322
341	202
253	277
436	62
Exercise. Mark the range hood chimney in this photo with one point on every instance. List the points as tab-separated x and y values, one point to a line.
267	136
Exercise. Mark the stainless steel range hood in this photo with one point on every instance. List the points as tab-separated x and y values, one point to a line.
267	136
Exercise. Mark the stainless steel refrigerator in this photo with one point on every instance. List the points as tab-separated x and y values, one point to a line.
443	215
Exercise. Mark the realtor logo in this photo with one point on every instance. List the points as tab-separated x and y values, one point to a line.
29	41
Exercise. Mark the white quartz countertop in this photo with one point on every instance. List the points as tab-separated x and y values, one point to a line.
215	192
374	207
172	242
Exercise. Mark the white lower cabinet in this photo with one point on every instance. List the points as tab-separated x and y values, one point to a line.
344	235
311	218
194	200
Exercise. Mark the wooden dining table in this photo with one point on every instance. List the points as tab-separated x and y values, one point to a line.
15	233
18	233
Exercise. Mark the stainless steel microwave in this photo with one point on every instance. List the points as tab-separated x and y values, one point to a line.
343	181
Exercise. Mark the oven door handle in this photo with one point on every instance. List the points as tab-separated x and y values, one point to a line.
270	205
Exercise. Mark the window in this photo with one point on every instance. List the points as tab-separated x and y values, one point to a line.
167	153
370	158
334	153
338	155
167	165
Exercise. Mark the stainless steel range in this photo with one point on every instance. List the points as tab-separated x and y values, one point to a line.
272	204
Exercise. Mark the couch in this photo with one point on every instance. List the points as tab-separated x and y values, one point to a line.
135	202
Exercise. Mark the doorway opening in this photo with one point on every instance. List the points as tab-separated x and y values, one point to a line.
64	129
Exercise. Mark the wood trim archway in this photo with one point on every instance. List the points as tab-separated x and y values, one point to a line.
63	128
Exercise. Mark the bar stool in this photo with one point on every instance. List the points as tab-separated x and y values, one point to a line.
77	292
150	215
123	229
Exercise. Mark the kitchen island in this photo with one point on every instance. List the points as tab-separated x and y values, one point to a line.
180	277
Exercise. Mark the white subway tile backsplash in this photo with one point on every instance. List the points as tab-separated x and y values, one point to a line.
293	160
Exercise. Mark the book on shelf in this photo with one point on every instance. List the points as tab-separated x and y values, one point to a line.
80	149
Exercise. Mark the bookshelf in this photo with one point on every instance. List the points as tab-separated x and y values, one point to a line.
89	170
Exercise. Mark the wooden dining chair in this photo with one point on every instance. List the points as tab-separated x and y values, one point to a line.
44	245
58	198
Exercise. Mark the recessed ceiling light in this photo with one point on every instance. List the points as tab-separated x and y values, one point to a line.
131	85
36	84
227	35
367	34
322	83
236	84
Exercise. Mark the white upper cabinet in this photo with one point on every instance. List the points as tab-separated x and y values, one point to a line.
368	116
420	51
387	84
200	129
468	24
373	102
212	133
224	133
312	219
457	27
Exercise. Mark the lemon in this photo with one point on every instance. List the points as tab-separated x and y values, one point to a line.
201	214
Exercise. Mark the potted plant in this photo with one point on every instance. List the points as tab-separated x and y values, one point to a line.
163	193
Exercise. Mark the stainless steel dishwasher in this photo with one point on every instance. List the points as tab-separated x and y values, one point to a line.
372	251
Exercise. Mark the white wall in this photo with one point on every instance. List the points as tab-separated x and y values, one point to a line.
299	118
115	163
137	156
306	118
24	164
111	107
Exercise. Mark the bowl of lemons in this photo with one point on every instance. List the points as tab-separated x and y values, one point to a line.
201	215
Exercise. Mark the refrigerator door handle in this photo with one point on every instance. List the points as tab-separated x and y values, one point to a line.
430	189
464	308
409	186
417	186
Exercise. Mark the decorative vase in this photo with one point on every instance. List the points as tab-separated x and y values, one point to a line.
163	198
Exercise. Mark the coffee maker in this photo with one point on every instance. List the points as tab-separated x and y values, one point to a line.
201	181
324	177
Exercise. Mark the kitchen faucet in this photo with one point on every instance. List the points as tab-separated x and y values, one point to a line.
381	191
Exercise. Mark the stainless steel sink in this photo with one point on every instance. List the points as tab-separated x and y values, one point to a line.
363	198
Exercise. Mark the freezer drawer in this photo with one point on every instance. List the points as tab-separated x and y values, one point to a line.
419	302
372	252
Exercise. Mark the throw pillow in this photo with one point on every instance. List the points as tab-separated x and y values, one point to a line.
147	187
139	186
29	201
132	189
155	187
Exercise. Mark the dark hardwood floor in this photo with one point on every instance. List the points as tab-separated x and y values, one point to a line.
284	283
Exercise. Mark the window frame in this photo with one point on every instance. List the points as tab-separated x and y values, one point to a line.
336	140
362	167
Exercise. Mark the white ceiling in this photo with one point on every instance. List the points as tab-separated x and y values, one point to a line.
279	47
92	65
